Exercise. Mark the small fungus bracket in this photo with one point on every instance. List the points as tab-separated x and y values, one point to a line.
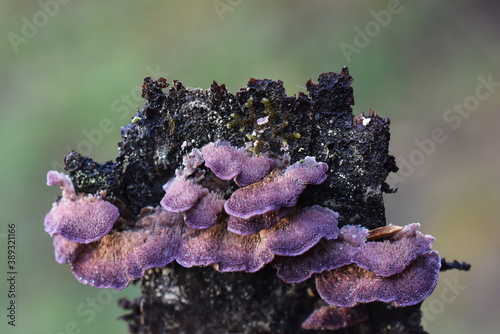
265	188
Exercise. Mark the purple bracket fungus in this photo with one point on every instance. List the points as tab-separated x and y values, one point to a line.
238	253
161	237
223	159
302	230
181	195
76	218
66	251
254	169
151	250
349	285
63	181
205	211
226	251
255	224
242	205
383	258
228	162
229	251
326	255
120	257
277	190
263	226
105	263
287	237
308	171
389	257
333	317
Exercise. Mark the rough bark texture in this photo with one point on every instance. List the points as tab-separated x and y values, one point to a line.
321	124
202	300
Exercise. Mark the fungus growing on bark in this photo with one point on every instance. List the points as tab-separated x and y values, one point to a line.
327	255
66	251
349	285
253	207
226	251
277	190
392	256
383	258
263	195
118	258
254	224
160	237
82	219
228	162
205	211
181	195
302	230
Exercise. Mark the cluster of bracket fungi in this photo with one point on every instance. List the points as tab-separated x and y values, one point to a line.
237	209
258	224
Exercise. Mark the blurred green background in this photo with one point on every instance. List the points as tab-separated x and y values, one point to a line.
68	65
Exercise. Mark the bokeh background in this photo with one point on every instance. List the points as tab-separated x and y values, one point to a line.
67	66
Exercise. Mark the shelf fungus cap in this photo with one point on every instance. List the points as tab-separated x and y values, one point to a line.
349	285
228	162
226	251
204	213
389	257
277	190
254	224
270	194
302	230
104	263
383	258
326	255
66	251
120	257
181	195
83	220
254	169
308	171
